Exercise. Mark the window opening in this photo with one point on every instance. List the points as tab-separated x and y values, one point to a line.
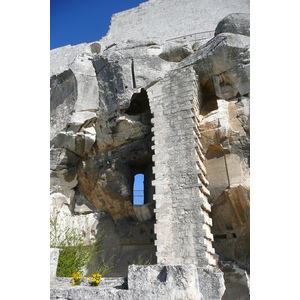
138	190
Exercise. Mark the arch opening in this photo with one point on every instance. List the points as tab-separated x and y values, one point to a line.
138	190
139	104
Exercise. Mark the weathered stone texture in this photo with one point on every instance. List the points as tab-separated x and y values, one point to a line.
54	255
225	138
164	282
159	18
237	282
175	111
177	195
211	283
157	282
234	23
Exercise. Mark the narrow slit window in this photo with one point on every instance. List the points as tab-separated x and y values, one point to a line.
138	190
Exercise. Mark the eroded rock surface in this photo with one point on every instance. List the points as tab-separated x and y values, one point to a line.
101	136
237	281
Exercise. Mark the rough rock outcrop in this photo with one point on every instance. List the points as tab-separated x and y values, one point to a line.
237	281
234	23
103	133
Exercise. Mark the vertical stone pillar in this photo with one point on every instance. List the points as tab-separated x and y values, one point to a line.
182	223
54	255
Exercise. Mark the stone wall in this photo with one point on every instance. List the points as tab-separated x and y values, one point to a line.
167	19
180	194
158	282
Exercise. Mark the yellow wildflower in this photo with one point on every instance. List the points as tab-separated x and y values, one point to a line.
89	280
73	282
97	281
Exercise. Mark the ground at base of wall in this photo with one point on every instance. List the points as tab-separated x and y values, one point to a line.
109	288
148	283
105	283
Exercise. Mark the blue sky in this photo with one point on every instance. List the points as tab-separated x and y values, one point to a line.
138	189
78	21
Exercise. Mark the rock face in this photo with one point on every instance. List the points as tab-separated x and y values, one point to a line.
225	129
237	282
235	23
179	18
164	282
178	113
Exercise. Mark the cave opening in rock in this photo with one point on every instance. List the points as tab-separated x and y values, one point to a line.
139	103
138	189
209	98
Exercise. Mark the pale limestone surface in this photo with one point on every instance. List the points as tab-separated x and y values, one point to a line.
54	255
235	23
177	112
237	281
149	283
169	19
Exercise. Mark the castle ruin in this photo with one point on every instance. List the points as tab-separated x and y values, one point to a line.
164	94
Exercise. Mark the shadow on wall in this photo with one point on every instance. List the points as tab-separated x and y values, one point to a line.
130	240
124	244
217	170
230	200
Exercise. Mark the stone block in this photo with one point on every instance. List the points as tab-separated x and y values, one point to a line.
235	23
164	282
231	82
237	282
211	283
143	212
54	256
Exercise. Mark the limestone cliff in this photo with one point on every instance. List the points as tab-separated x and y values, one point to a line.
103	99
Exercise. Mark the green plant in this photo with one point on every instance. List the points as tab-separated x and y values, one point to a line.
55	234
76	252
105	268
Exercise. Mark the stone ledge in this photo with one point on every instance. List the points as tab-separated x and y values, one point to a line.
153	282
54	255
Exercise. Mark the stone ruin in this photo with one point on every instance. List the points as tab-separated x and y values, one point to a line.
166	94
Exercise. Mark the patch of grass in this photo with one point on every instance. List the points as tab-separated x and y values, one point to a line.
76	252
